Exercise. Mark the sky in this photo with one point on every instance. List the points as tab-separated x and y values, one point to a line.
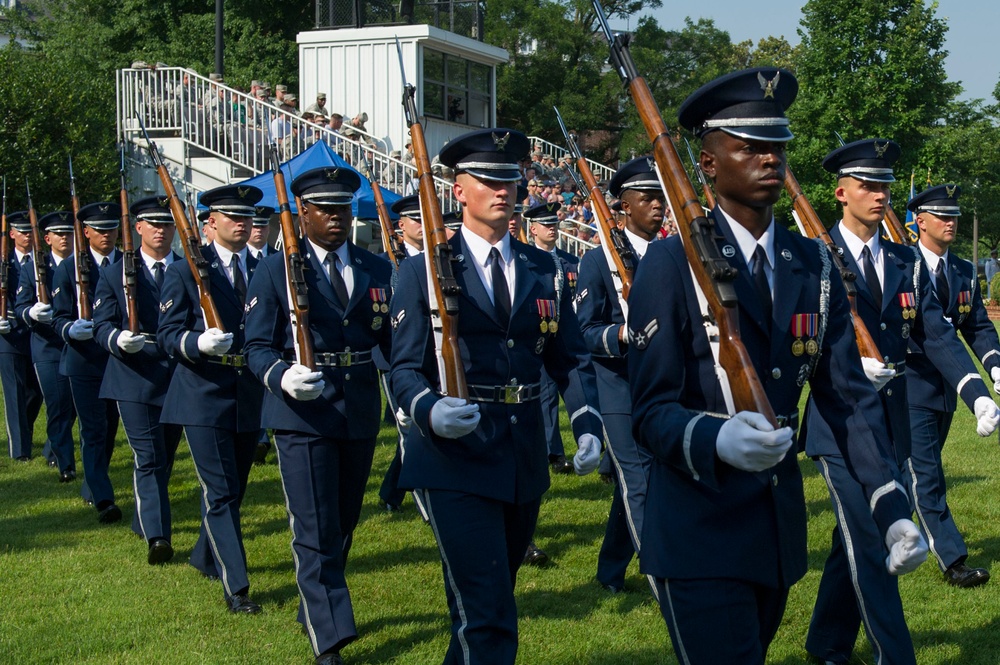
972	27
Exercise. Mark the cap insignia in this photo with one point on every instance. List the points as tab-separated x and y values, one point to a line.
550	207
332	174
950	191
163	202
768	86
103	208
243	192
880	149
651	163
501	141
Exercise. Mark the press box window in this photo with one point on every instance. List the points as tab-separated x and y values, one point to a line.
456	90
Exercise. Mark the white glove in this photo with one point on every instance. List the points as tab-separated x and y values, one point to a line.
907	548
81	329
995	375
588	454
453	417
403	421
877	372
130	343
4	326
41	312
214	342
302	383
748	442
987	416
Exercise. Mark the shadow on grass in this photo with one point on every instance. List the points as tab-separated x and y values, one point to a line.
972	643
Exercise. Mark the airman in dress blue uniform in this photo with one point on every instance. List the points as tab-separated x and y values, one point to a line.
724	530
481	465
138	371
325	420
258	247
602	320
22	397
932	391
47	345
83	359
211	392
896	303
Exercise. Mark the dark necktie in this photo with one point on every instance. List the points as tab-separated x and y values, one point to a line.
941	284
501	293
760	284
239	281
158	274
871	277
24	260
105	262
337	280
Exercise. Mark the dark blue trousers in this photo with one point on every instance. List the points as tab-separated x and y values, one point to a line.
59	413
222	461
22	400
617	549
98	428
153	448
549	400
925	476
715	621
476	537
324	481
630	466
856	589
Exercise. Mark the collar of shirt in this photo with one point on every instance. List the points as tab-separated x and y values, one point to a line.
411	250
226	259
480	251
149	260
345	261
56	260
98	257
639	245
932	259
19	255
748	244
855	245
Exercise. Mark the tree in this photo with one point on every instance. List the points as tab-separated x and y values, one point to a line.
866	68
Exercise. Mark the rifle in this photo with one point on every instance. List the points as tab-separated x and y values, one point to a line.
189	239
709	195
893	228
298	292
389	239
712	273
811	227
4	262
128	255
38	258
443	289
617	250
81	250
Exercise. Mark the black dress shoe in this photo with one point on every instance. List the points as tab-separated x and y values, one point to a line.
67	476
613	588
241	604
109	514
607	479
329	659
53	463
534	556
260	455
160	551
391	507
23	458
561	465
964	577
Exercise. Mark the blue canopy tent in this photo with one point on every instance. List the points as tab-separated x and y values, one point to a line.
317	155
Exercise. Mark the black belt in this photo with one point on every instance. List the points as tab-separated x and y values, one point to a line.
791	420
237	360
342	359
900	367
505	394
149	337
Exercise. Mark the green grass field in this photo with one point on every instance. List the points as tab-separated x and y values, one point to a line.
72	590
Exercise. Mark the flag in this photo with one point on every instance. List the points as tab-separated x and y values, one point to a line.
911	220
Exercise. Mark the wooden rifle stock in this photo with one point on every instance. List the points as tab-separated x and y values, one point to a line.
188	237
712	273
897	232
128	255
616	248
444	288
4	260
81	253
389	239
813	228
38	256
298	292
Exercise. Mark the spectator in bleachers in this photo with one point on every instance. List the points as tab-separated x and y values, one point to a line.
535	197
279	128
280	91
289	104
536	162
357	123
319	107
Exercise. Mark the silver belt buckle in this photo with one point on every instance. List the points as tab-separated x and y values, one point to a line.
344	359
512	394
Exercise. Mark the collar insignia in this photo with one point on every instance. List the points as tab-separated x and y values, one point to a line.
501	141
768	86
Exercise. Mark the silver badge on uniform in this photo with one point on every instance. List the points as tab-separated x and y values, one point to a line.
377	323
729	251
905	332
786	255
164	306
539	345
250	305
642	337
396	320
97	304
56	292
582	295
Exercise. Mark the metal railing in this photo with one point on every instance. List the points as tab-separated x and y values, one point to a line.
214	120
548	149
